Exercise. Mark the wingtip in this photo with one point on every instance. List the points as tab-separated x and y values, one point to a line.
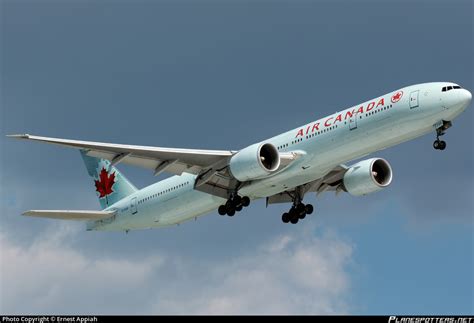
19	136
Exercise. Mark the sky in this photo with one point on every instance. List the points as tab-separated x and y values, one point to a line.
223	75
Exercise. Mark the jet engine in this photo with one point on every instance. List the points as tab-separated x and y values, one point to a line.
255	161
367	176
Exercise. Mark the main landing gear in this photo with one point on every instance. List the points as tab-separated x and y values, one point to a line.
297	212
234	204
440	144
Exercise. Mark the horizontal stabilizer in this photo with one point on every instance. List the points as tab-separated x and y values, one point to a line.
70	214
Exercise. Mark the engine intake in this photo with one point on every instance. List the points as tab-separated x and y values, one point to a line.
367	176
254	162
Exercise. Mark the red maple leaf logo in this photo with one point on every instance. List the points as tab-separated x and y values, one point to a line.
105	183
396	97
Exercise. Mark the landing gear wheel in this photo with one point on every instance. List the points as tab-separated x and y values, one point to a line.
294	220
285	218
300	211
230	212
300	208
222	210
245	201
238	208
436	144
309	209
442	145
237	200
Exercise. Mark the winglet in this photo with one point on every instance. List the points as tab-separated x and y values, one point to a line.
20	136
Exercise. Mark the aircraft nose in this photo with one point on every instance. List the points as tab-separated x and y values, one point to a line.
465	97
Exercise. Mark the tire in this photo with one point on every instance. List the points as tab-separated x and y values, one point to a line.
300	208
285	218
238	208
309	209
436	144
230	212
245	201
293	213
442	145
237	200
294	220
302	215
222	210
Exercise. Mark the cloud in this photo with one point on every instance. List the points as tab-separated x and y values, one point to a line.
293	273
290	274
50	276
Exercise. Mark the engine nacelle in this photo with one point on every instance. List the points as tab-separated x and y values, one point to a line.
255	161
367	176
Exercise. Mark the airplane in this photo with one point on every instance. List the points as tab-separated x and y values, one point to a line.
282	169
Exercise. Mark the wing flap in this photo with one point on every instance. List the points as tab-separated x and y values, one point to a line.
80	215
332	181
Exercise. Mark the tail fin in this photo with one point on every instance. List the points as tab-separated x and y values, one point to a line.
110	185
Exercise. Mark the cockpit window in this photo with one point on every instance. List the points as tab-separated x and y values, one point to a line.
448	88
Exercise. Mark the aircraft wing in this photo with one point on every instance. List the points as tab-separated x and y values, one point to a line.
172	160
211	166
332	181
70	214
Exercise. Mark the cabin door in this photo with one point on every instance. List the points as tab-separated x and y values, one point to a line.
353	122
414	99
133	205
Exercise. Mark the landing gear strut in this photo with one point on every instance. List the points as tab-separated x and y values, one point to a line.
234	204
297	212
440	144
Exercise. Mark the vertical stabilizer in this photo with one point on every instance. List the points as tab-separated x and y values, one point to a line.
110	185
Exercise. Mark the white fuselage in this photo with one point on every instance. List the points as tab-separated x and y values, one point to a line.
383	122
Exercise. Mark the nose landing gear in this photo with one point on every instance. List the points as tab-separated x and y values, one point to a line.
440	144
